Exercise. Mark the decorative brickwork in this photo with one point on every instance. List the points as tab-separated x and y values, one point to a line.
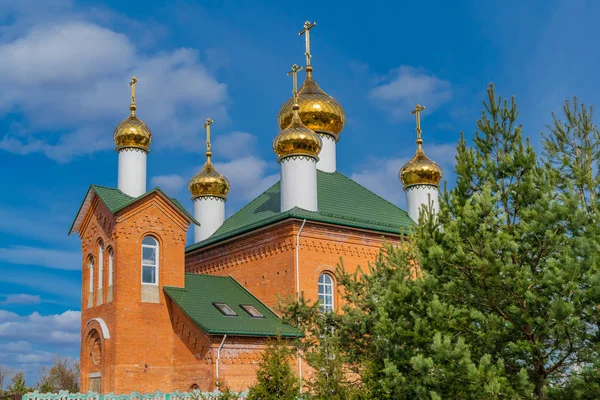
264	260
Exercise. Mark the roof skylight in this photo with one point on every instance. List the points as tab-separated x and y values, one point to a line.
252	311
225	309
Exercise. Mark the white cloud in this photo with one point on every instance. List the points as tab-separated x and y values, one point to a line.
406	86
15	347
35	223
21	298
27	255
69	81
55	329
28	342
234	145
248	176
169	183
380	175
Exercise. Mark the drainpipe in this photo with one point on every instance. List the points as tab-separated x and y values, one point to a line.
218	358
297	262
298	294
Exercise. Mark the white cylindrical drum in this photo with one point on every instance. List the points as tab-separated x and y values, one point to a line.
210	212
421	195
299	183
327	162
132	171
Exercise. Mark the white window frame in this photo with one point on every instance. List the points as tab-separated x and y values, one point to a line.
331	283
157	248
100	265
91	271
111	266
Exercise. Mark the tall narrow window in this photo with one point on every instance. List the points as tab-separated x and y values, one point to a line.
111	261
90	302
149	260
326	292
100	265
91	268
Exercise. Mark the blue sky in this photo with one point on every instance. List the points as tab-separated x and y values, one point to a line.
65	65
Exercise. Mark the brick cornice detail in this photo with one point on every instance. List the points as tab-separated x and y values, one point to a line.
282	238
212	261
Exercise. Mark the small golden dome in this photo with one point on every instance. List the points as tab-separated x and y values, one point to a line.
297	139
208	182
420	170
132	132
318	111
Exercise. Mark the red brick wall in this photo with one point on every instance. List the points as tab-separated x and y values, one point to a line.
154	346
264	261
139	354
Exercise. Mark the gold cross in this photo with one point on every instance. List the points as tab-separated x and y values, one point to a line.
307	27
294	73
134	80
417	112
207	125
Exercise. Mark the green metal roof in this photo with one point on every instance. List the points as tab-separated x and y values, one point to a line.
341	202
196	301
115	200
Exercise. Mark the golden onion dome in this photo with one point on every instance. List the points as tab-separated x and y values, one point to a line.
132	132
420	170
297	139
318	111
208	182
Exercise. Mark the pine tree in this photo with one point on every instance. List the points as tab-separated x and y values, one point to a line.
275	377
517	255
17	384
503	304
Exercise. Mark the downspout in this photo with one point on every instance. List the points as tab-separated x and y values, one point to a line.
298	294
218	358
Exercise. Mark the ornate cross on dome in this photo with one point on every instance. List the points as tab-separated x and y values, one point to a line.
307	27
132	107
417	112
207	125
134	80
294	73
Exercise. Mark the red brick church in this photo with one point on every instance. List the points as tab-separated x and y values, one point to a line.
158	314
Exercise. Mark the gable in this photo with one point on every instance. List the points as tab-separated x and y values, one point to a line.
341	201
201	291
115	200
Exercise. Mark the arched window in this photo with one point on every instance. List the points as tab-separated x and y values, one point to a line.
150	261
111	263
326	292
91	282
100	265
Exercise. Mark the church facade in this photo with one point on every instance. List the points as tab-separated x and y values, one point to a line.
158	314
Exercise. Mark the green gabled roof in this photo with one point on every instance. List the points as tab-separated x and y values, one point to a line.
201	291
341	202
115	200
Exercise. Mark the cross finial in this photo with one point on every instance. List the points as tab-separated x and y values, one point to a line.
307	27
294	72
207	125
132	107
417	112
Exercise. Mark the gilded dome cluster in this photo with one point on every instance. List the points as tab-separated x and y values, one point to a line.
132	132
420	170
297	139
208	182
318	111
